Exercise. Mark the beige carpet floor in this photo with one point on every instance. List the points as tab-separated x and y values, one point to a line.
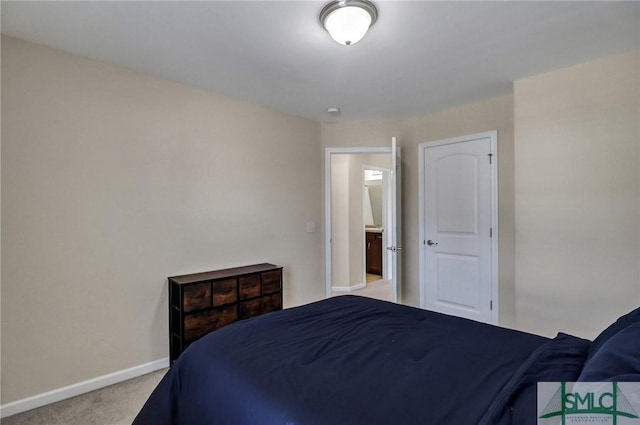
115	405
380	289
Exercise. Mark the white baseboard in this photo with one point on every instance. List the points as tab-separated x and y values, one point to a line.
348	288
64	393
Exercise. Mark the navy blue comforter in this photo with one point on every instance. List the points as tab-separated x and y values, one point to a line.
353	360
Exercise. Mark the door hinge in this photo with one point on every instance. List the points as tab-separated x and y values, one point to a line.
490	232
491	305
490	157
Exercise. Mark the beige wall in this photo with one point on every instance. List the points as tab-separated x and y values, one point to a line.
340	261
494	114
113	180
577	196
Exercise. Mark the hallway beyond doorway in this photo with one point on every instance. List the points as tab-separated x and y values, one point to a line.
380	289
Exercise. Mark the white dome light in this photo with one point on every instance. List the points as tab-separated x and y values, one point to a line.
347	21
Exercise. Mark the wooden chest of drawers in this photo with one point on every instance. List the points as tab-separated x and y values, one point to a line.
374	253
203	302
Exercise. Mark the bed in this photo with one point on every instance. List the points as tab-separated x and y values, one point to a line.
356	360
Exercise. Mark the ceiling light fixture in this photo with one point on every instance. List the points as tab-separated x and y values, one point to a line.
347	21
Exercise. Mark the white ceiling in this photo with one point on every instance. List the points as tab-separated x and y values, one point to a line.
419	57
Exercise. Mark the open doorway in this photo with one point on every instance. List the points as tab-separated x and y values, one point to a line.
377	230
358	208
377	221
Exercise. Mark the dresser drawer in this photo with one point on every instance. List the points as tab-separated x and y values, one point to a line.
196	297
200	324
258	306
249	286
225	291
271	281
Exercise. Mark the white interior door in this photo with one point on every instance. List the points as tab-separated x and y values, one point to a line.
460	227
395	246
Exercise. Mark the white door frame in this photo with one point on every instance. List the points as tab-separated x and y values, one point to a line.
327	203
493	135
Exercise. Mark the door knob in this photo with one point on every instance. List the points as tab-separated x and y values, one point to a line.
431	243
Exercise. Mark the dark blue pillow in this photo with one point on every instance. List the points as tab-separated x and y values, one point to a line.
617	359
559	359
617	326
